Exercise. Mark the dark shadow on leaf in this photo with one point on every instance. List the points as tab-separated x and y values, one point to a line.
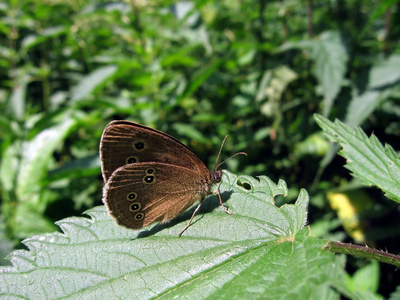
209	204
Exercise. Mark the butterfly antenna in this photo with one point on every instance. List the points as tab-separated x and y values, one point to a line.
219	154
239	153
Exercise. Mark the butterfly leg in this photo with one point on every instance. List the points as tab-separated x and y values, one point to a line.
191	219
197	209
220	201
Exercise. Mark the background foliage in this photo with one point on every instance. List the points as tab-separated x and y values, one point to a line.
257	70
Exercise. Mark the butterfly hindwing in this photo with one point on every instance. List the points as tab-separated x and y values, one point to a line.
142	193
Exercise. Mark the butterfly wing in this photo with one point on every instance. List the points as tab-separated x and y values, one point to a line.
125	142
139	194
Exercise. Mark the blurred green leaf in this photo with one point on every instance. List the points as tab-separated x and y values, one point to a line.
367	277
385	73
330	57
190	132
362	106
92	81
33	40
22	171
17	100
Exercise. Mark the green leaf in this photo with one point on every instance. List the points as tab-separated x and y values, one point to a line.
385	73
200	77
16	104
367	277
330	66
396	294
37	154
190	131
23	168
33	40
92	81
366	157
260	251
362	106
330	57
338	278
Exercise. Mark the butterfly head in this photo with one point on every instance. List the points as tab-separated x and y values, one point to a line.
216	176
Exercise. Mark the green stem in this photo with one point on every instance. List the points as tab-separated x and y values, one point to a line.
362	251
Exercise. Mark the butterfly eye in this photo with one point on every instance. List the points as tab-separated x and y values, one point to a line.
136	206
149	179
150	171
139	216
131	159
139	145
131	196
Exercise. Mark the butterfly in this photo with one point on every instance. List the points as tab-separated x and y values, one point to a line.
151	176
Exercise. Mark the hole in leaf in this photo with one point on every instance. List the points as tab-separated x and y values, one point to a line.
244	185
280	200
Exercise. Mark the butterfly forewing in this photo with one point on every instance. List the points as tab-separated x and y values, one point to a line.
125	142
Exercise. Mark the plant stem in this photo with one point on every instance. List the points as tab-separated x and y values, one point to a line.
362	251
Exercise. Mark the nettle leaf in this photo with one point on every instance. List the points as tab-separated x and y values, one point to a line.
366	157
260	251
330	56
385	72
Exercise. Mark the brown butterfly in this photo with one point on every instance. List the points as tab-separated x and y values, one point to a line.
151	176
